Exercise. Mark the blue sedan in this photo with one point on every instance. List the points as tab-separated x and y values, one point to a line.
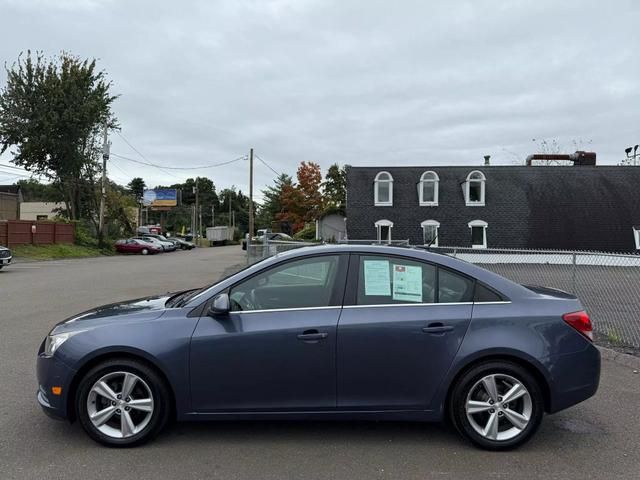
327	332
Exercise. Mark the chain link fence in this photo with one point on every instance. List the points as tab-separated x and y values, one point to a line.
259	250
607	284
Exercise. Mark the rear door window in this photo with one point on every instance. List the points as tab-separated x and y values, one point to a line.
395	280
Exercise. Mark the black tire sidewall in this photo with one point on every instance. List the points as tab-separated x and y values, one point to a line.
161	400
468	380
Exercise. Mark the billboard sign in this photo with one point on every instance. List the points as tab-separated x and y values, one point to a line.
160	198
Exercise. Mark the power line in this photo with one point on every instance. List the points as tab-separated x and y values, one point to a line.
267	165
14	167
173	168
180	168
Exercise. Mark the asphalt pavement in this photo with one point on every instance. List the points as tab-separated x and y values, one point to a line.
599	438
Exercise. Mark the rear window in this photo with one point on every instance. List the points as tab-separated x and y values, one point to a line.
485	294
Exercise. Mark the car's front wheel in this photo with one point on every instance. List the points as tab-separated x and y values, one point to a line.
498	405
122	403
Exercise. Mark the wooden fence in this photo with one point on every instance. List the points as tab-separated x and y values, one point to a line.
22	232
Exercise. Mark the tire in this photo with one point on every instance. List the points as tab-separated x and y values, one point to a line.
144	251
509	428
148	391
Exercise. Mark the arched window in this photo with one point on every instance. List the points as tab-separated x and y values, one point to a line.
428	189
478	233
430	232
383	231
475	189
383	190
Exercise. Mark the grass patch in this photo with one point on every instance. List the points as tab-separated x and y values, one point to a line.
58	250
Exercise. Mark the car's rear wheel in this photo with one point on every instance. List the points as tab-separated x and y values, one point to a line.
122	403
497	405
144	251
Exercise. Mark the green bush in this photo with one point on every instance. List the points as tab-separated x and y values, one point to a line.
307	233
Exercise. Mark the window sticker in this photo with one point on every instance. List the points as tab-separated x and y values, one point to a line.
407	283
377	280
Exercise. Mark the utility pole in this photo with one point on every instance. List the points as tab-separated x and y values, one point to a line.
103	197
195	212
213	215
200	219
250	194
229	220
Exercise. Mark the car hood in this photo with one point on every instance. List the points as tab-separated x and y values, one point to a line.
147	308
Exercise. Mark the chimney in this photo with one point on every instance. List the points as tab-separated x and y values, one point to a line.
486	160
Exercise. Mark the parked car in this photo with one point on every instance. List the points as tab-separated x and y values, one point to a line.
270	236
178	242
5	257
135	245
165	245
182	244
327	332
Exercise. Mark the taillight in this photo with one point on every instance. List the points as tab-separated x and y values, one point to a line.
581	322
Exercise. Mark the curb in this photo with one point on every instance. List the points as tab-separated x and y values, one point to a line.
620	358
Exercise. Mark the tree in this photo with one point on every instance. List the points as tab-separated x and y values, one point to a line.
302	202
136	187
34	191
335	187
272	205
53	112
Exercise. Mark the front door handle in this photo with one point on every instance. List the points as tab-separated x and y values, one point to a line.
312	336
437	328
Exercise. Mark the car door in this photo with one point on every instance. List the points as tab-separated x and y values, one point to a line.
276	349
401	326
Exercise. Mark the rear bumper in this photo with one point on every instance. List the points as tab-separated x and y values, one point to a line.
575	378
52	372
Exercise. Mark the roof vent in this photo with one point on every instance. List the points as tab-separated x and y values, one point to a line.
579	158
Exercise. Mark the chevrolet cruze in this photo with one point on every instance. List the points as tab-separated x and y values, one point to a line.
327	332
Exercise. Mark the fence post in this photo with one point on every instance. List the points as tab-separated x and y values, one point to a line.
573	273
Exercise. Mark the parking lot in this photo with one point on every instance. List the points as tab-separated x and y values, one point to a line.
597	439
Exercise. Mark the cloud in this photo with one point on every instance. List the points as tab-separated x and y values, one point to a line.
364	83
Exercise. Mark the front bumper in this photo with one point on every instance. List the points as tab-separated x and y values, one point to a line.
51	373
5	261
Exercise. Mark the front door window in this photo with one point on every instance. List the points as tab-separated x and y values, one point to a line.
297	284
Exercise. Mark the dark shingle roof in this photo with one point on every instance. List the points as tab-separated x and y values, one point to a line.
586	207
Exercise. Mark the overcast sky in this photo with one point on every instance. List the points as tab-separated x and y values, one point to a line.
353	82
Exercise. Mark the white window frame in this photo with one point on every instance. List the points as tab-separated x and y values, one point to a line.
383	223
428	177
636	234
479	224
467	192
376	183
431	223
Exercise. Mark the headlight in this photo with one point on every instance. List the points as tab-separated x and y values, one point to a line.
53	342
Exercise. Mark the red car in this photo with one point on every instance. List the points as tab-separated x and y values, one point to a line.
134	245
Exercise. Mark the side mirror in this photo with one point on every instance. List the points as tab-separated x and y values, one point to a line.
220	305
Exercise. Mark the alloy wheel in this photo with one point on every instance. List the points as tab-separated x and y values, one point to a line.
499	407
120	404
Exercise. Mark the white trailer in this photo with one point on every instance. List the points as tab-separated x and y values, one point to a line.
220	235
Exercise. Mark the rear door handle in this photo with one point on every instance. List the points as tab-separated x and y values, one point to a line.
437	328
312	336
